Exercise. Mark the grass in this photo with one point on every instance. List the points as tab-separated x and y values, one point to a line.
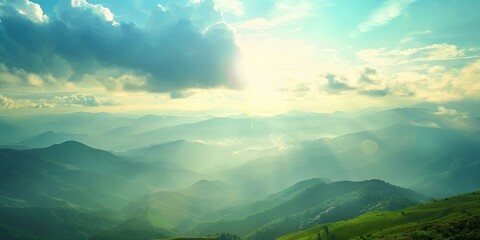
192	238
382	224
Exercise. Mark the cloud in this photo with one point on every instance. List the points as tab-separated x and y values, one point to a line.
181	47
450	112
78	100
181	94
434	84
434	52
83	100
301	91
366	76
10	103
7	103
76	12
24	9
336	86
374	93
232	6
283	12
388	11
469	80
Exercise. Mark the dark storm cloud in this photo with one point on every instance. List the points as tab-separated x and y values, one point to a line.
178	49
336	86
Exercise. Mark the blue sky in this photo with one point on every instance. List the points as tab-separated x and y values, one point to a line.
249	56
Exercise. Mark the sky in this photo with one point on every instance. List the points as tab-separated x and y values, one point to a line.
236	56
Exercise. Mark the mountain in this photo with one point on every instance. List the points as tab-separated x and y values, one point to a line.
42	223
192	155
73	173
242	210
118	138
10	132
450	218
273	175
314	205
79	122
211	129
169	213
182	208
50	138
427	159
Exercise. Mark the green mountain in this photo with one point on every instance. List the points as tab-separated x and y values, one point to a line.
42	223
451	218
245	209
317	204
182	208
168	213
73	173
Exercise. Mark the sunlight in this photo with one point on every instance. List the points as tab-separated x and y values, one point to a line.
239	120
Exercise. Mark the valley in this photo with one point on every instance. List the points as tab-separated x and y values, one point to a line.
254	178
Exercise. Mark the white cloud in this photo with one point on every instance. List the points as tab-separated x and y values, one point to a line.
7	103
231	6
439	85
27	9
434	52
450	112
383	15
76	12
100	10
469	79
436	69
285	12
83	100
16	76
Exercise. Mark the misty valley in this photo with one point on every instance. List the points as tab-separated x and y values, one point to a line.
239	119
403	173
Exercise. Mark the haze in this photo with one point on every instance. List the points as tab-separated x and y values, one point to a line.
239	119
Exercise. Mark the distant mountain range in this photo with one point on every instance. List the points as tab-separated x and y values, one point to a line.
285	176
427	159
73	173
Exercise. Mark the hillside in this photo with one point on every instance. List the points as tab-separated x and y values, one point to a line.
49	138
319	203
181	208
42	223
243	210
455	218
168	213
73	173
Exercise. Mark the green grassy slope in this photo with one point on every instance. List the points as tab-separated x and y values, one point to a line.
223	236
243	210
425	221
318	204
182	208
